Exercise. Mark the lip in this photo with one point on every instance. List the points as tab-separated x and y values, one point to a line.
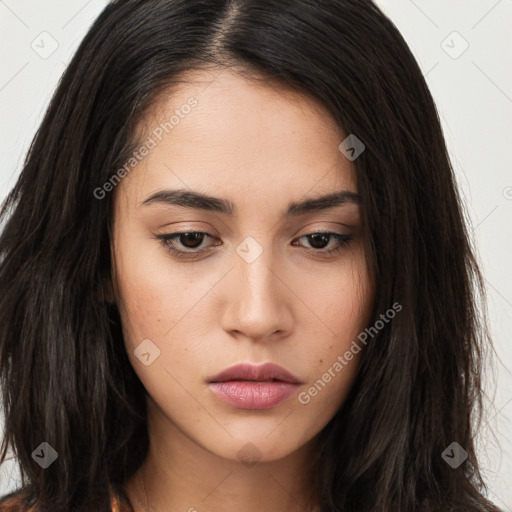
247	386
251	372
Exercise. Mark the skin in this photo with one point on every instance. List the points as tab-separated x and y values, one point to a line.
261	147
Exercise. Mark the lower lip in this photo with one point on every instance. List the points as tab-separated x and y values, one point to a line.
253	394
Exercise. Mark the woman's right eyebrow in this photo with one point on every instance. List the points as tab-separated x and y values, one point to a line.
200	201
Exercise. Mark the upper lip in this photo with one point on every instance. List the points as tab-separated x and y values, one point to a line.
247	371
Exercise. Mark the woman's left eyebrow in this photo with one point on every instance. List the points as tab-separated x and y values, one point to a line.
199	201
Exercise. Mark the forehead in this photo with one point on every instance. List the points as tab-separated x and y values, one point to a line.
221	133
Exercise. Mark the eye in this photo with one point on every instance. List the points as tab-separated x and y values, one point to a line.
321	239
191	241
188	244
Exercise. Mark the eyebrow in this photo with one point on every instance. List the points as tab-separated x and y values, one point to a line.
198	201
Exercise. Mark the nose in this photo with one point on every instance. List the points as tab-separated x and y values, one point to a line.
258	303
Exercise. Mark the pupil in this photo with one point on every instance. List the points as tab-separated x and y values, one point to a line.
319	237
190	239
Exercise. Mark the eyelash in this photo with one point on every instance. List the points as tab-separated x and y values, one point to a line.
342	239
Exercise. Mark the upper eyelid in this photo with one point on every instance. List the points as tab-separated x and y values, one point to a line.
311	232
322	229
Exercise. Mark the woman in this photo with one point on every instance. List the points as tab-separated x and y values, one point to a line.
236	273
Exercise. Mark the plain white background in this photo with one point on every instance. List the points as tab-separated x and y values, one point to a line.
464	48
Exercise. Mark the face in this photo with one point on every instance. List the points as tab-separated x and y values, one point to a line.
222	256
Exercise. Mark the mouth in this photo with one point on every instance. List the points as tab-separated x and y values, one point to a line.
268	372
246	386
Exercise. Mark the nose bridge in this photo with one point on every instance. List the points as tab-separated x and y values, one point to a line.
257	296
254	273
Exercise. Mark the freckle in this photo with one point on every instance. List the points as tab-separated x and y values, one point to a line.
330	346
321	361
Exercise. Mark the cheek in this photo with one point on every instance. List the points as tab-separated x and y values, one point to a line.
154	295
160	301
342	302
340	297
153	311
